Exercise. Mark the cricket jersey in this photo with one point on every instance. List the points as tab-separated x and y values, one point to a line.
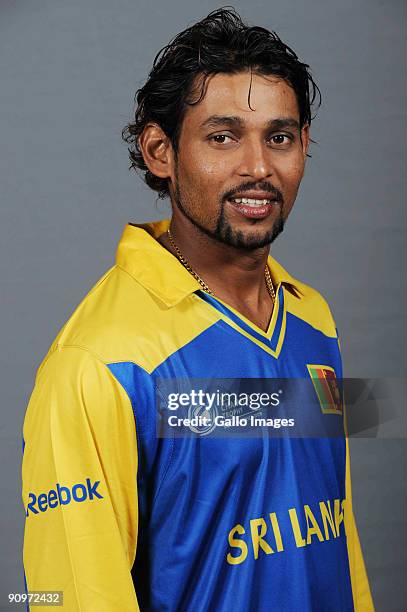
121	518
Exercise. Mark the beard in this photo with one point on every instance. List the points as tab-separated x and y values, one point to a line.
224	232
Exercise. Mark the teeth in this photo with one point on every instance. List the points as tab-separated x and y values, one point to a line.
251	201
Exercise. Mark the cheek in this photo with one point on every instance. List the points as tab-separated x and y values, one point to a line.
201	171
291	173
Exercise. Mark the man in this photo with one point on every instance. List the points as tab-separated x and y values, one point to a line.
121	518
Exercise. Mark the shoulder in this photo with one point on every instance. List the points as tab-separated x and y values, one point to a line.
312	308
305	302
110	319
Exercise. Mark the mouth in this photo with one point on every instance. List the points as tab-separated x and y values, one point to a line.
252	208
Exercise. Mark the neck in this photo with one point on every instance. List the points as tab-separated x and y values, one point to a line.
234	275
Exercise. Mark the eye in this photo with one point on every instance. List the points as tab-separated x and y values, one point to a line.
278	139
221	138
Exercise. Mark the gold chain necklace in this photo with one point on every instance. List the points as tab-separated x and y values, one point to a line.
269	282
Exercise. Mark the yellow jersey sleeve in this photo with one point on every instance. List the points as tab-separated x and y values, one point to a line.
79	484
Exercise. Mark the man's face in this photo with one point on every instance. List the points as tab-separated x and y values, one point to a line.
228	154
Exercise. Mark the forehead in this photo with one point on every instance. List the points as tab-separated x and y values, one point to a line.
228	94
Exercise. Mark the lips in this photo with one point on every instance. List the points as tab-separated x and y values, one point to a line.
253	208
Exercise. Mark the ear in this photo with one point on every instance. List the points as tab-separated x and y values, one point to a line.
157	150
305	138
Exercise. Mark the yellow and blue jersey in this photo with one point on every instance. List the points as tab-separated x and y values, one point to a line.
119	518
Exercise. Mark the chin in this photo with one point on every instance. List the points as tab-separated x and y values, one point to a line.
249	240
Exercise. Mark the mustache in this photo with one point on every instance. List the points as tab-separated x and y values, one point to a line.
275	193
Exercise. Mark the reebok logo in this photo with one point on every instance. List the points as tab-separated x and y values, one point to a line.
62	496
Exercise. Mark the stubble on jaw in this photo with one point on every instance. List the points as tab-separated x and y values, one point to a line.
224	232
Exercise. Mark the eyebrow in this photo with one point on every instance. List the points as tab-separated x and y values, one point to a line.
232	121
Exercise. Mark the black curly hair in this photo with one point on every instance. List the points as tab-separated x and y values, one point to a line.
219	43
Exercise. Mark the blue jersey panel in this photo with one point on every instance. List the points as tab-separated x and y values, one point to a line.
240	523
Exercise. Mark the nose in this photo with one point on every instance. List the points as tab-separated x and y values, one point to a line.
255	161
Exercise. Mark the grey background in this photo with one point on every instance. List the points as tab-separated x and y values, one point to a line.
68	73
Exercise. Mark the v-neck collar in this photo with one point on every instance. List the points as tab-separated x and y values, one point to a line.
271	340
